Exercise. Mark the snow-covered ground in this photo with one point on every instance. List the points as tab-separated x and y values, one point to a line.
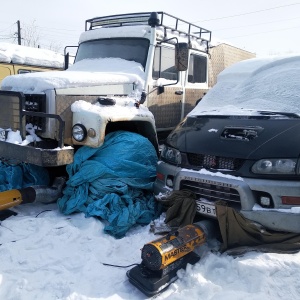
46	255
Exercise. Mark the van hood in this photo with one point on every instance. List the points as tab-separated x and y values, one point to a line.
85	73
246	137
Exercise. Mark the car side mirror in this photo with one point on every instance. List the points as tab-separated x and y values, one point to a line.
181	56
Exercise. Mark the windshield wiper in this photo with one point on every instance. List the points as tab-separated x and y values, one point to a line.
274	113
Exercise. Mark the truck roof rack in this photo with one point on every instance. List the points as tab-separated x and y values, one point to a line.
165	20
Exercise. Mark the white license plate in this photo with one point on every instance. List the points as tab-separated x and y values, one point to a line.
206	208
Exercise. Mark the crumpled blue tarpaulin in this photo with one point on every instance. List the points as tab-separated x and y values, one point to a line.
113	182
21	175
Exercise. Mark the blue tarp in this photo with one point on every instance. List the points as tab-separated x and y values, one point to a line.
113	182
21	175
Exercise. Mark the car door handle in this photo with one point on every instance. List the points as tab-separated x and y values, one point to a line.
179	92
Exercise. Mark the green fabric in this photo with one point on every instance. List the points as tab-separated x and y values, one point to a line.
239	232
182	208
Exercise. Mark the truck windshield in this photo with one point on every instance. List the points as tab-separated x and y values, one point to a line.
132	49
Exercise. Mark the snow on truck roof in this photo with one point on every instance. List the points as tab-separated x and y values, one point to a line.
17	54
270	83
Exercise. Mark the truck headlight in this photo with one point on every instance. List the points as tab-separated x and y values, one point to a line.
275	166
79	132
171	155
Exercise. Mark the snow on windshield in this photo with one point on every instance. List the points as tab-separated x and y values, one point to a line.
87	72
11	53
257	84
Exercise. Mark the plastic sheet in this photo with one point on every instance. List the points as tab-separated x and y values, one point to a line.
21	175
113	182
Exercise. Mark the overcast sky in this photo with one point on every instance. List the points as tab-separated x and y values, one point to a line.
264	27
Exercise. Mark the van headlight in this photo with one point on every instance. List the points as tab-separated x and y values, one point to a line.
275	166
171	155
79	132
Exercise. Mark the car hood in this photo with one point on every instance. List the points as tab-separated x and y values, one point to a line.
247	137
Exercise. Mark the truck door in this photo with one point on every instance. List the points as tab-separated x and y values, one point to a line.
196	81
166	92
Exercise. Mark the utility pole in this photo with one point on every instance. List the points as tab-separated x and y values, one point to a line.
19	32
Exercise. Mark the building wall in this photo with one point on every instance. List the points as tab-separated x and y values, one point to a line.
222	56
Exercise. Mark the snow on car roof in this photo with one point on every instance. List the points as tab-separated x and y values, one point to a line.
270	83
17	54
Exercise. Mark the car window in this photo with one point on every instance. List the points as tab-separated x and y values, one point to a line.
197	69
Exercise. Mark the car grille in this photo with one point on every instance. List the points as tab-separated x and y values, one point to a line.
211	191
214	162
36	103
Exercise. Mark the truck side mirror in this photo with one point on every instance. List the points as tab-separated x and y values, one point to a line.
181	56
67	57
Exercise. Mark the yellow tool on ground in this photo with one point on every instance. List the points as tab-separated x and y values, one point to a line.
43	194
162	258
11	198
158	254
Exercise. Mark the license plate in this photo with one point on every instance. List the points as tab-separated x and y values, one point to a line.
205	208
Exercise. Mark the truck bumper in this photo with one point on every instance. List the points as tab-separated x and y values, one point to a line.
42	157
240	193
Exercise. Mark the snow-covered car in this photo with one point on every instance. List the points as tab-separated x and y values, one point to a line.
240	144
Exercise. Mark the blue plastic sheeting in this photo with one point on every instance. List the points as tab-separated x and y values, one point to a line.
113	182
21	175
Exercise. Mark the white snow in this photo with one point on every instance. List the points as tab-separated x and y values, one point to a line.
46	255
17	54
240	88
218	174
123	31
125	106
87	72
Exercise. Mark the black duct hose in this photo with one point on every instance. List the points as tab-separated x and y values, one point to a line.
43	194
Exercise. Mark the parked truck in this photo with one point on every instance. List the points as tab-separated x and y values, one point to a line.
141	72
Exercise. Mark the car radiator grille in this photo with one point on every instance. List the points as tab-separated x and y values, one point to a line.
214	162
211	191
36	103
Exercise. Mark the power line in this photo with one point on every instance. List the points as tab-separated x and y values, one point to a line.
283	29
7	27
247	13
257	24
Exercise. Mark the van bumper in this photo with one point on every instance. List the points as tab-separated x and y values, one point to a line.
245	193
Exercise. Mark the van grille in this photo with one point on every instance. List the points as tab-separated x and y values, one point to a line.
211	191
214	162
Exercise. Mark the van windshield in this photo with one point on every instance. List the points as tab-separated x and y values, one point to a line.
132	49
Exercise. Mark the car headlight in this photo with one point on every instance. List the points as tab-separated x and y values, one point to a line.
79	132
275	166
171	155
